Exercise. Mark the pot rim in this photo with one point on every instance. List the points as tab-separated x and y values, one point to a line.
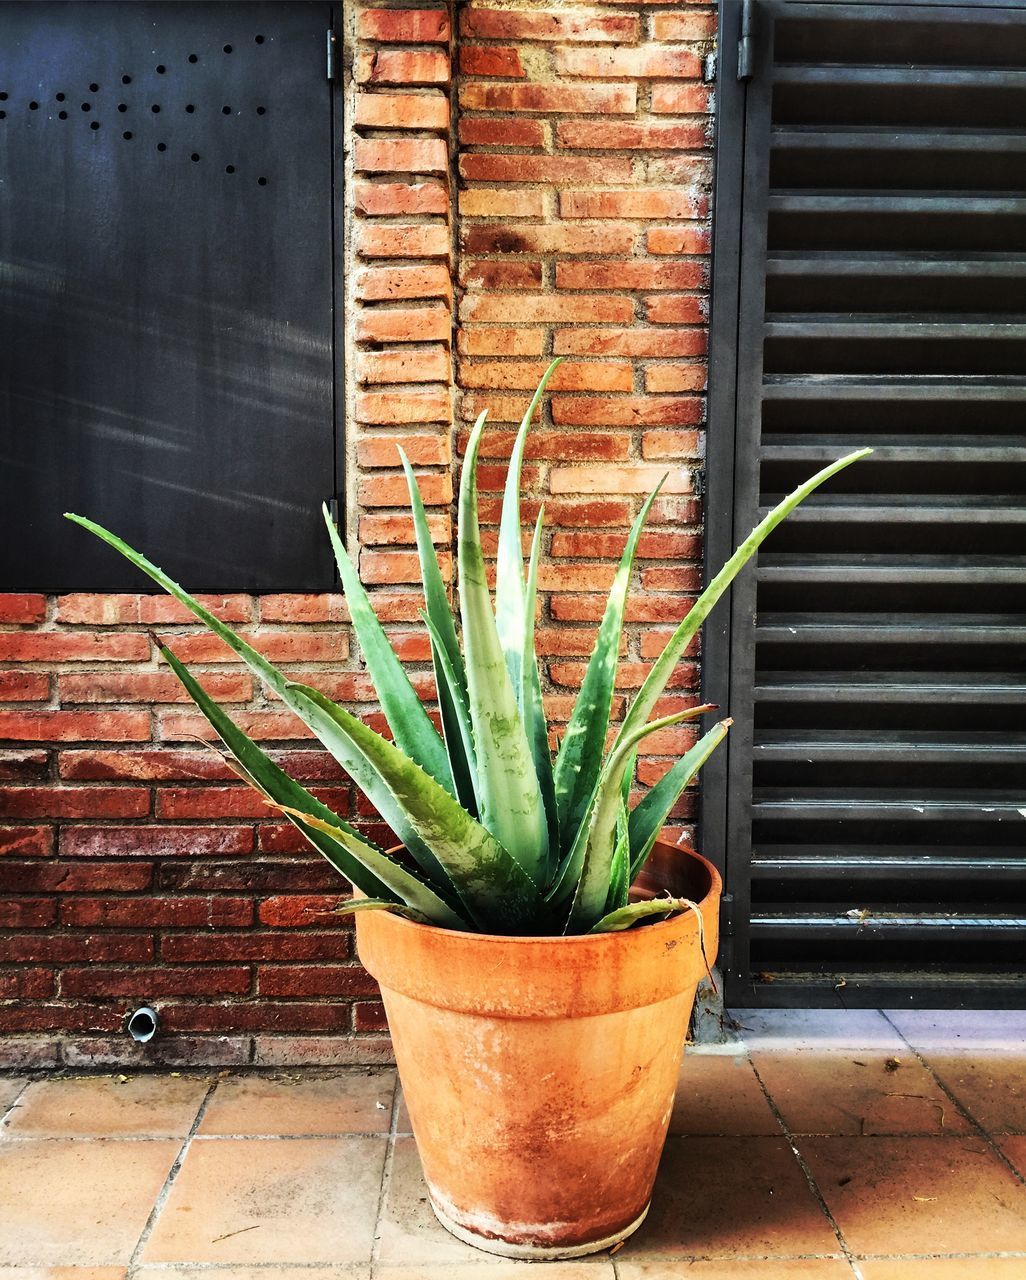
713	892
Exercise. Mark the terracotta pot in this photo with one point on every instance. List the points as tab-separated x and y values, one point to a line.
540	1072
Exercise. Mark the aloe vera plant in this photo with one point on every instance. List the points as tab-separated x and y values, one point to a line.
499	836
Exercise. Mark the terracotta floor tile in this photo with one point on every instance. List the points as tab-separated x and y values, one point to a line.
918	1195
975	1028
749	1269
98	1106
62	1273
1015	1149
945	1269
792	1029
355	1101
82	1203
990	1085
252	1200
720	1095
491	1267
10	1087
723	1197
855	1092
338	1271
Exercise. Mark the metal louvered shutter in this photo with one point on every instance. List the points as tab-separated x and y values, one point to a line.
873	808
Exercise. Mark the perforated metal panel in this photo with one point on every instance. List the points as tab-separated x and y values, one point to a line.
875	810
166	292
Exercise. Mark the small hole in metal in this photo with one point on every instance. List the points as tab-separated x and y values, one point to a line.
3	115
259	39
94	88
229	168
86	106
3	97
33	106
161	146
155	109
190	108
226	111
261	182
261	111
122	106
227	48
126	79
194	157
58	97
62	115
194	57
161	69
127	136
95	124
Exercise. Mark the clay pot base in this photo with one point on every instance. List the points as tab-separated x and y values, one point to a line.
534	1252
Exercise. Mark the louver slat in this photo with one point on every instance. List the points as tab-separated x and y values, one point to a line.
876	811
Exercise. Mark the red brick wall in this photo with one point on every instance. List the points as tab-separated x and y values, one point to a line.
132	866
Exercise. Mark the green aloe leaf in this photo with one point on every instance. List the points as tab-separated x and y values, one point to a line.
650	813
582	748
623	918
353	905
619	877
459	736
407	718
510	596
496	891
593	850
663	667
532	707
507	786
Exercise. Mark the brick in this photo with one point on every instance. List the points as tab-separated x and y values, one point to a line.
549	24
75	726
633	478
491	60
406	324
547	309
400	155
652	546
111	983
93	1052
299	911
74	802
630	275
422	450
66	948
676	578
323	1051
629	675
393	199
500	342
262	1015
482	273
396	407
109	610
157	913
24	686
653	642
659	135
276	646
677	240
627	411
296	981
558	237
393	284
550	99
417	240
26	984
636	64
486	131
630	342
51	876
22	608
61	646
414	364
23	1053
389	530
553	169
488	202
404	26
391	491
23	765
48	1017
639	202
397	567
403	67
26	842
677	309
675	377
146	765
671	444
681	99
27	913
150	841
263	726
211	802
402	110
525	375
148	686
589	608
294	945
684	26
554	445
369	1015
322	607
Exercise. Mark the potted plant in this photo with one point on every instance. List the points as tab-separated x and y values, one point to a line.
538	948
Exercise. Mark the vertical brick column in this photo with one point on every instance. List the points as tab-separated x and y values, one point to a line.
584	167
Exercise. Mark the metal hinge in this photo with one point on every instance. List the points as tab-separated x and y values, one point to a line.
330	58
745	48
698	482
332	505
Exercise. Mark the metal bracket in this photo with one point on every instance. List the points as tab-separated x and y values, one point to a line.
698	482
709	69
332	505
330	58
745	46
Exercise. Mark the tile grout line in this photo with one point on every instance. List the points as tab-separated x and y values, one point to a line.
806	1171
963	1111
169	1181
5	1114
386	1173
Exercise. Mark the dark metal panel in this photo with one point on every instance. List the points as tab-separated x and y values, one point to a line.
166	313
